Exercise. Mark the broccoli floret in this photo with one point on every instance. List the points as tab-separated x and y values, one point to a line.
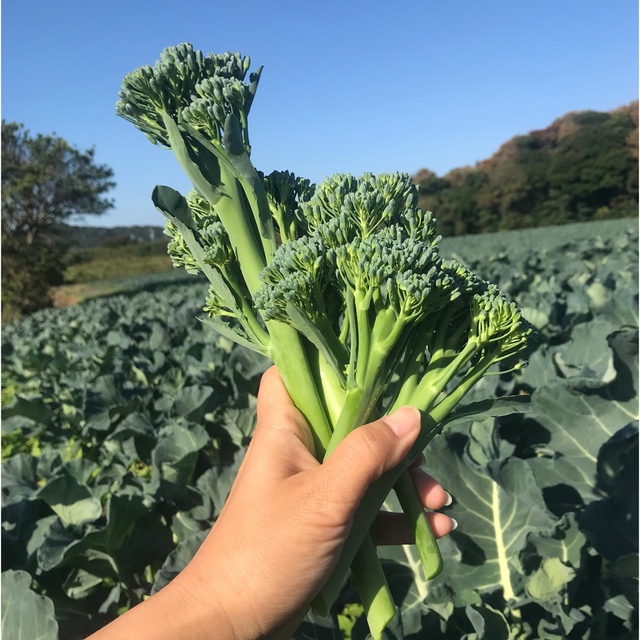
285	192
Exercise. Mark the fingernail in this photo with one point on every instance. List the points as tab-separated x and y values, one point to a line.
449	499
403	421
454	524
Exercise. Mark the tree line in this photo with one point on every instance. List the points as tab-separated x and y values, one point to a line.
583	167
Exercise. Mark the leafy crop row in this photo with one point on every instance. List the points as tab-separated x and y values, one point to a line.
124	420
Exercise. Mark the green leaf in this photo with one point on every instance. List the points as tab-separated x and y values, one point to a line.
540	370
216	482
19	478
568	427
587	359
184	524
193	402
133	425
147	542
38	535
489	408
497	504
232	333
19	521
620	607
81	583
550	580
239	424
102	396
122	514
411	592
315	627
488	623
25	614
619	511
565	542
74	503
25	411
52	542
623	391
132	538
174	457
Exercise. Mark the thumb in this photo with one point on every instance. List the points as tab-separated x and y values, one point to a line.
367	452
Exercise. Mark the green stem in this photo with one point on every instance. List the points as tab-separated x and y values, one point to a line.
360	400
448	404
379	490
346	409
289	356
443	328
247	317
425	540
362	397
363	339
248	179
250	256
330	389
344	329
334	344
350	312
355	411
371	584
228	204
438	374
411	374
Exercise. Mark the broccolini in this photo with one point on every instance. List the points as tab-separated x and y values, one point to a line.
341	284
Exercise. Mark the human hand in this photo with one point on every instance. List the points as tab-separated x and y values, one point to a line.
283	525
282	528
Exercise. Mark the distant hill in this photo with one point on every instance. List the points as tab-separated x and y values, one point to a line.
583	167
87	237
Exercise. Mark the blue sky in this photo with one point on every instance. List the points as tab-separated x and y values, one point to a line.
347	86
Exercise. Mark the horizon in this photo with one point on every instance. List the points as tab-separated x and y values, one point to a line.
363	88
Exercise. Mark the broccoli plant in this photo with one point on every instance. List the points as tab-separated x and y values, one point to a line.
342	285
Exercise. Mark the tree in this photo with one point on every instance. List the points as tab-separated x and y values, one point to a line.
584	166
44	182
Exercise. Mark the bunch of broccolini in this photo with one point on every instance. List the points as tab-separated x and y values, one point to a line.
341	285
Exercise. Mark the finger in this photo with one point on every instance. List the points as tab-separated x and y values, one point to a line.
394	528
430	491
276	410
366	453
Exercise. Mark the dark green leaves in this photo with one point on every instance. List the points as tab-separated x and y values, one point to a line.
72	502
134	455
135	405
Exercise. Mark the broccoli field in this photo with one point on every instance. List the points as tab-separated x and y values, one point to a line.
125	418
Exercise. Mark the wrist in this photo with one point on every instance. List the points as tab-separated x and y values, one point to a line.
201	607
225	607
180	611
